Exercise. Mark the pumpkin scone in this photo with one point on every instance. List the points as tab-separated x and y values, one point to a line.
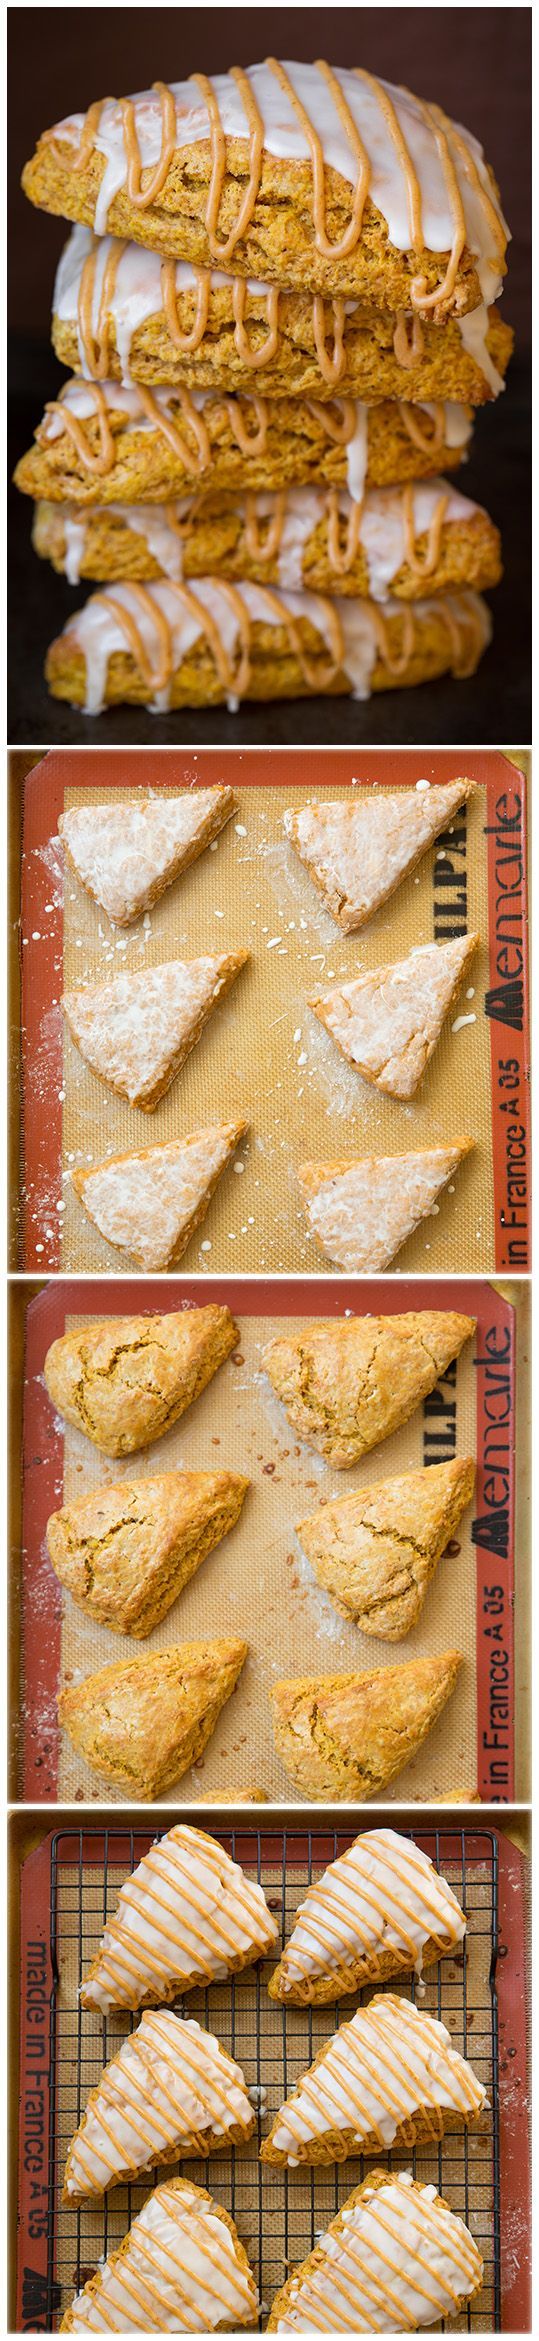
123	1381
181	2267
170	2091
126	854
125	1553
357	854
347	183
348	1735
137	1031
388	2078
382	1908
347	1383
187	1915
143	1723
362	1212
149	1204
388	1020
394	2259
376	1551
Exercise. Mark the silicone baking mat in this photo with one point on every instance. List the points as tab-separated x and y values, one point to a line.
256	1583
67	1888
264	1056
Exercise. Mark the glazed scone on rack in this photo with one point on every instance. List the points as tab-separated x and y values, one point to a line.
180	2267
395	2243
171	2091
387	1021
149	1204
121	314
125	1552
170	645
188	1915
347	183
127	854
142	1724
375	1552
357	854
379	1910
348	1735
346	1383
361	1213
389	2078
125	1380
137	1031
423	537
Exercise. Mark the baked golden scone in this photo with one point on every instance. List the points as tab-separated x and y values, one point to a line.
389	2078
348	1735
388	1020
376	1551
124	1553
170	645
142	1724
127	853
148	1205
125	1380
170	2091
97	445
119	313
402	540
181	2266
358	853
394	2243
137	1031
380	1910
187	1915
348	1382
342	178
361	1213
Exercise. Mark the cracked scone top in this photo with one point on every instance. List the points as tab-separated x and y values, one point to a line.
394	2260
180	2268
347	1383
375	1552
125	1381
388	1020
357	854
171	2089
389	2074
187	1915
126	1551
142	1724
136	1031
126	856
350	1734
380	1908
399	178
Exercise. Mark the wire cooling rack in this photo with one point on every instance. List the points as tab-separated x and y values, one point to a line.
279	2215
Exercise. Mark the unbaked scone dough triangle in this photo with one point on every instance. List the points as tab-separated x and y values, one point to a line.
125	854
362	1212
389	2077
376	1551
394	2259
349	1734
137	1031
149	1204
143	1723
187	1915
358	853
171	2090
387	1021
380	1909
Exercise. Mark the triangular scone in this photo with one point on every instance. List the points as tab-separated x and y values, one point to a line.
380	1909
347	1735
170	2091
348	1382
395	2259
137	1031
359	853
150	1204
181	2268
362	1212
142	1724
387	1022
187	1915
390	2077
126	1552
125	1380
376	1551
126	854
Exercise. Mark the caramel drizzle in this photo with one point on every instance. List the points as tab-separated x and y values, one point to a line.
318	676
427	443
95	340
339	427
263	543
375	2042
100	461
117	1957
143	2284
153	2111
350	238
223	251
408	346
141	197
191	340
423	564
377	2267
359	1887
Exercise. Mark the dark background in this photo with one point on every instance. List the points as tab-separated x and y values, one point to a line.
477	64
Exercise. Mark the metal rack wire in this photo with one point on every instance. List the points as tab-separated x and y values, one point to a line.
279	2215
